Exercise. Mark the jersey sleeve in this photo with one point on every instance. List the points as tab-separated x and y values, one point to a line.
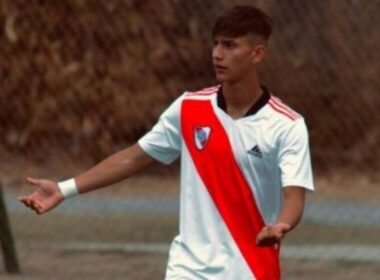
163	141
294	156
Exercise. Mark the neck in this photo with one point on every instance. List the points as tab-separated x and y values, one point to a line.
241	95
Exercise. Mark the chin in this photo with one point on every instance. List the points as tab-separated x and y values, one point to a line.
221	78
224	80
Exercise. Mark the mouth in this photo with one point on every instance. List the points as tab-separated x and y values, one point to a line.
219	68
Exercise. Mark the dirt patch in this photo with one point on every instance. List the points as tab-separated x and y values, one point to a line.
56	264
317	270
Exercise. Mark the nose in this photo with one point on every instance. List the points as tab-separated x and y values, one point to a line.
217	53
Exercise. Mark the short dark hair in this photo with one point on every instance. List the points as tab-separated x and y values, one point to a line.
243	20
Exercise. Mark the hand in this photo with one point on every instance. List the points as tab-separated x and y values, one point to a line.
272	234
46	197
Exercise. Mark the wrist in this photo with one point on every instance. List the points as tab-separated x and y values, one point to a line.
68	188
283	226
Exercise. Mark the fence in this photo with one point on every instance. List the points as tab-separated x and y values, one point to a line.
82	79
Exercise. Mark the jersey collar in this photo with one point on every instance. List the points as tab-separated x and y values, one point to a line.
260	103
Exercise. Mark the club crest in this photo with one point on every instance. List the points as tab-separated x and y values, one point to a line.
201	136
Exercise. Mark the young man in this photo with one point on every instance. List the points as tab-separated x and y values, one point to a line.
245	163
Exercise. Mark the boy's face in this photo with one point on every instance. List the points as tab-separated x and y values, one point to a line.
234	58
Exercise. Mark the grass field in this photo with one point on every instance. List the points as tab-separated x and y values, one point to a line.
43	246
158	228
40	264
45	242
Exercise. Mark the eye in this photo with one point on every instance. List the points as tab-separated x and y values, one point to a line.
229	44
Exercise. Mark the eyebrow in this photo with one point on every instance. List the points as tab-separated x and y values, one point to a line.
224	40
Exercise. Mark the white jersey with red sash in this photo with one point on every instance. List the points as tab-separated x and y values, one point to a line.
232	172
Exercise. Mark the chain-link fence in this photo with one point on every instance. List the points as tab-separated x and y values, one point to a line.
84	78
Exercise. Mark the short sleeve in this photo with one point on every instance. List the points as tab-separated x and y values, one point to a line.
294	156
163	141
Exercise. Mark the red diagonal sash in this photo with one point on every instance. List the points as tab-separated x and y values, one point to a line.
220	173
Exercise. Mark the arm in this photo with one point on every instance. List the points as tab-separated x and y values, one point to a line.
292	210
296	177
162	143
288	218
116	167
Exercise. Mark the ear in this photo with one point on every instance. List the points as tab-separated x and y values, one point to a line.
258	53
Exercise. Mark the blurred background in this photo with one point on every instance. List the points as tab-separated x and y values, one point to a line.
82	79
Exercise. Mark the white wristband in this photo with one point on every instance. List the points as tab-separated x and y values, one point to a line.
68	188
